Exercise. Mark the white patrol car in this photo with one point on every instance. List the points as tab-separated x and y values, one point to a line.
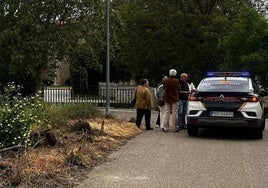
226	99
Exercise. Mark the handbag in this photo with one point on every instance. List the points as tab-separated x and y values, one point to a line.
133	102
161	103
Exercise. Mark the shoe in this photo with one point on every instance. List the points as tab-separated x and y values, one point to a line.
164	130
149	129
177	130
182	127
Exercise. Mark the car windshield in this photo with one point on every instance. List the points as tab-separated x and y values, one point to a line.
224	85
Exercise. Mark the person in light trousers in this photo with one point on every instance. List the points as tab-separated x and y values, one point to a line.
171	97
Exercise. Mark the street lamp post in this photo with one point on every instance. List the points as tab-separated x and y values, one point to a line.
108	60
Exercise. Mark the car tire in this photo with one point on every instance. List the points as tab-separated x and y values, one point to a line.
263	124
258	133
192	131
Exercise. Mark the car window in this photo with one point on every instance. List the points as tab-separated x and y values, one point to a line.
225	85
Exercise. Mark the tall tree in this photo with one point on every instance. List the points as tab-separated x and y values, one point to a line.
246	46
158	35
36	34
154	36
149	33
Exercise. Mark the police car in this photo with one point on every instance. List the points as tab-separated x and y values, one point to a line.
226	99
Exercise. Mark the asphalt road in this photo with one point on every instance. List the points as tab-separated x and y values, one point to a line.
127	114
216	158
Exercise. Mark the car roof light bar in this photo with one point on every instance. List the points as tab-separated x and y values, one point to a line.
228	74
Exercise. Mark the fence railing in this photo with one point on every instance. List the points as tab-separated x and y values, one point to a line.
118	97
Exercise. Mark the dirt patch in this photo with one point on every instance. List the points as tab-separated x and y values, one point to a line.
80	146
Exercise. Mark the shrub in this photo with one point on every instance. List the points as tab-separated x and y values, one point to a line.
18	115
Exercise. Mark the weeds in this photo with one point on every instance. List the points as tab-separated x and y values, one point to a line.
59	115
54	166
74	139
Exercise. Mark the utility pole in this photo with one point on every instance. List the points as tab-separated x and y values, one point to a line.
108	60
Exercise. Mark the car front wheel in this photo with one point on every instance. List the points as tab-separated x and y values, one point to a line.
258	133
263	124
192	131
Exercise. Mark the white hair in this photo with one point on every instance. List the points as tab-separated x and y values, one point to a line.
184	74
172	72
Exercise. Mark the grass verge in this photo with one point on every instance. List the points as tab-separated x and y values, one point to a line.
83	140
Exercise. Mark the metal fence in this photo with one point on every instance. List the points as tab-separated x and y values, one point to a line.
119	97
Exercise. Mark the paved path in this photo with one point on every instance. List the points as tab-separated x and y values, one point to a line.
214	159
129	113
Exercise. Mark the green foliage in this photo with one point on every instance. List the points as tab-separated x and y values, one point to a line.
246	46
89	53
155	36
147	38
36	35
59	115
18	115
150	39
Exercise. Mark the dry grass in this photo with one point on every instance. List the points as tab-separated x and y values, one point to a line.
66	163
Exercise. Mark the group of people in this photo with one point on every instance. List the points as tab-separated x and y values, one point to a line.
171	96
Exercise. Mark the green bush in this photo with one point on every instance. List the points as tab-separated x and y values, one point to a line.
58	115
18	115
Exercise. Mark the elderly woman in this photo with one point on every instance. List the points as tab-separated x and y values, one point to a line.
144	104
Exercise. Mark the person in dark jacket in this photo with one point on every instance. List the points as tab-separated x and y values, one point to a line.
183	102
171	97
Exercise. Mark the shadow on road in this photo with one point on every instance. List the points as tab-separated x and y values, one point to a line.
226	133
